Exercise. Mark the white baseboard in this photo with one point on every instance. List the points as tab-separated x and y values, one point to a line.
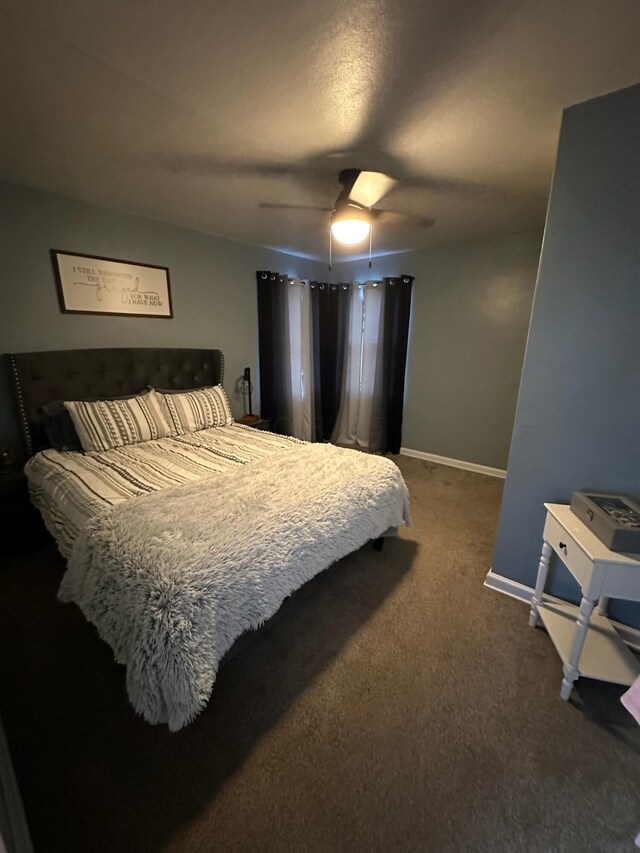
454	463
631	636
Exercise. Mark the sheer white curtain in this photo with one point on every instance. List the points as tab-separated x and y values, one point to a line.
360	419
300	377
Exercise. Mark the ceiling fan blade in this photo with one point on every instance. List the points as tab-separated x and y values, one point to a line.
273	206
204	164
421	221
369	187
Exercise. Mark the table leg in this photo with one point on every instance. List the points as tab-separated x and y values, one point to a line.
603	603
570	669
543	570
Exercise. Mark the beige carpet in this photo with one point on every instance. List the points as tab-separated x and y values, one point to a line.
399	706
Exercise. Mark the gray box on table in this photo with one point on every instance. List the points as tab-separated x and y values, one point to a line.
614	519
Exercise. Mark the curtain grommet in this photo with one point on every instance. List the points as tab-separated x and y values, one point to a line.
322	287
264	276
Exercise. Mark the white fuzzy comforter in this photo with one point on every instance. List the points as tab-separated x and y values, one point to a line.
171	579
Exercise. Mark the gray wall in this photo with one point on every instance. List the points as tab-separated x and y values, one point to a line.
212	284
578	417
471	309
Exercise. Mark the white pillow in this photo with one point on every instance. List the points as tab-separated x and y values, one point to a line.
190	411
105	424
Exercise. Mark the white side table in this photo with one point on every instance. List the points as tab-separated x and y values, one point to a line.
586	641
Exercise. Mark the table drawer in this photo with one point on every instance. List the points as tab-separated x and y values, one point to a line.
566	547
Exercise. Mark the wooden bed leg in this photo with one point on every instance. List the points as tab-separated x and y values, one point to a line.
378	544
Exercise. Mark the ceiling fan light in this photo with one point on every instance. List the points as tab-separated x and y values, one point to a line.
350	225
350	231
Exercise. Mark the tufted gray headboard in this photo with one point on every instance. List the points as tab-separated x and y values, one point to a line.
38	378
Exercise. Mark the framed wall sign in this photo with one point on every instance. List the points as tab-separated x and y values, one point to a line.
89	284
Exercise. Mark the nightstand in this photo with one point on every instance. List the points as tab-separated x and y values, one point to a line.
262	423
18	518
585	639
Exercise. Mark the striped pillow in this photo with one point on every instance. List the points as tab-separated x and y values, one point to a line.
201	408
105	424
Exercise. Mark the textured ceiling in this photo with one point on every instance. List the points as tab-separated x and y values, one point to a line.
196	112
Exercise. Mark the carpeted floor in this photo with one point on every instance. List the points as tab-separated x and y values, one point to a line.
399	706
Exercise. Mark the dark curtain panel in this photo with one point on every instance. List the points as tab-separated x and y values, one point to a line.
397	313
331	304
316	290
330	312
273	349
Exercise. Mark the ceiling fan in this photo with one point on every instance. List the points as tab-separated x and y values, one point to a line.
354	213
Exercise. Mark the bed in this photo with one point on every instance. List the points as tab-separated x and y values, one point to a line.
181	545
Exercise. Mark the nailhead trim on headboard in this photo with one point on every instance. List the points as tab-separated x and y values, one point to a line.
38	378
22	411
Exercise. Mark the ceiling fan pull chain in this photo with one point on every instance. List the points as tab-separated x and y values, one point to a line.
330	246
370	243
